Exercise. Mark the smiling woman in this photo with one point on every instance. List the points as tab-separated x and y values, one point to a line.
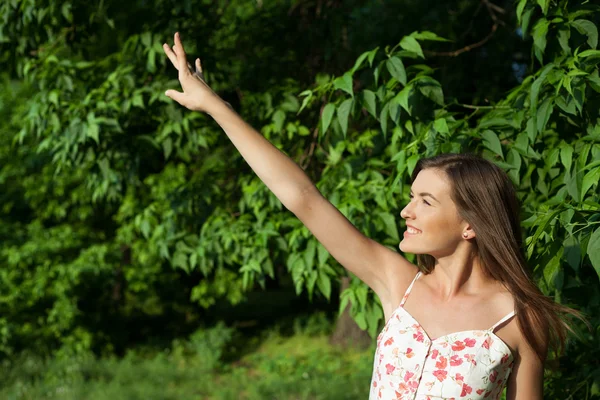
459	337
456	336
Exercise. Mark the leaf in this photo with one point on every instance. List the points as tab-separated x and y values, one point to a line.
572	252
593	250
359	61
369	102
520	8
308	96
327	115
324	284
347	296
572	184
431	89
441	126
427	35
563	40
591	178
383	118
167	145
526	18
322	254
539	37
344	83
536	86
396	69
410	44
566	156
589	53
587	28
372	55
402	98
491	141
390	226
412	163
278	120
342	114
544	5
551	270
93	131
543	114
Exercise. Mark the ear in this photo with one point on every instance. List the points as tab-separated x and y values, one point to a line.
468	232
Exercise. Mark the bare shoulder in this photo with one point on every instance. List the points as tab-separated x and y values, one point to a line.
398	273
526	379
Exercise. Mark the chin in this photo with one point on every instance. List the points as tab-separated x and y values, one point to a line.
407	248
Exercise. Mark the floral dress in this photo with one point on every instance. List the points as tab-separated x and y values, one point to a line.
408	364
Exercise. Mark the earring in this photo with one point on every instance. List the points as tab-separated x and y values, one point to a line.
465	235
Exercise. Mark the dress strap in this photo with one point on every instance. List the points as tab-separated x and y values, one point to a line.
503	320
409	289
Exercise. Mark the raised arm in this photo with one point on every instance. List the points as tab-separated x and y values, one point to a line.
376	265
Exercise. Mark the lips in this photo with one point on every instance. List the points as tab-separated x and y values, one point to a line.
411	230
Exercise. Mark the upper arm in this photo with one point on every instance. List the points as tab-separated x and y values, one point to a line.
526	381
373	263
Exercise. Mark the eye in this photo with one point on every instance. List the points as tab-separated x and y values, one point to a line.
424	201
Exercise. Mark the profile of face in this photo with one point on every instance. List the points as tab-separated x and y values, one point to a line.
434	225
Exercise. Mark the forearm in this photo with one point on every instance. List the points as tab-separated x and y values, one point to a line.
281	175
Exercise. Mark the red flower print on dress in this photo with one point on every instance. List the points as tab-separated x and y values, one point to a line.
442	363
470	358
455	361
409	353
389	368
504	358
440	374
408	375
488	342
434	354
459	378
479	391
470	342
466	389
458	346
419	336
493	376
388	342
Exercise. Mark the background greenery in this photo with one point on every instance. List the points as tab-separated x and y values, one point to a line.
129	225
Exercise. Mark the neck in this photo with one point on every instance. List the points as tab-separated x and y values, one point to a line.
458	273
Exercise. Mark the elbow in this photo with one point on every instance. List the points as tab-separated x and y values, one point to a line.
300	199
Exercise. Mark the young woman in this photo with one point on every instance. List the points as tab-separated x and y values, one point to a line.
465	323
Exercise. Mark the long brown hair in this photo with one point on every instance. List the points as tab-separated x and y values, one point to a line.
486	199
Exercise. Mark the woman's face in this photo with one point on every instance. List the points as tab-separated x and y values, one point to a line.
434	226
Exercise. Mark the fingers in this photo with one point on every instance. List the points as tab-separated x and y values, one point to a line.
171	55
199	73
175	95
180	53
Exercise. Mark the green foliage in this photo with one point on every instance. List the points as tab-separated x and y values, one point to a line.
301	366
123	213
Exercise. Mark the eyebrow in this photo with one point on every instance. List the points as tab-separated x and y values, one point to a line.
423	194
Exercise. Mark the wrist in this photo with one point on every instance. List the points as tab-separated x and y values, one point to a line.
218	108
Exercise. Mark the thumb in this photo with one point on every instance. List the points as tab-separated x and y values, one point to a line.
175	95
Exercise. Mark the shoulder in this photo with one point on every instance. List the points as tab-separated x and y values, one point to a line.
526	380
398	274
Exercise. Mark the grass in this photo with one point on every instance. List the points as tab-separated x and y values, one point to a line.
302	366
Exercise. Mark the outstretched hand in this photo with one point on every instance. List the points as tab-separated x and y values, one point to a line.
196	95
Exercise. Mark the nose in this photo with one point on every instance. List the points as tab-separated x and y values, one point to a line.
407	211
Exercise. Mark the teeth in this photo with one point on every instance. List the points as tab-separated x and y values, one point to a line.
411	230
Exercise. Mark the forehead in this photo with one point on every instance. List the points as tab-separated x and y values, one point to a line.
432	181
